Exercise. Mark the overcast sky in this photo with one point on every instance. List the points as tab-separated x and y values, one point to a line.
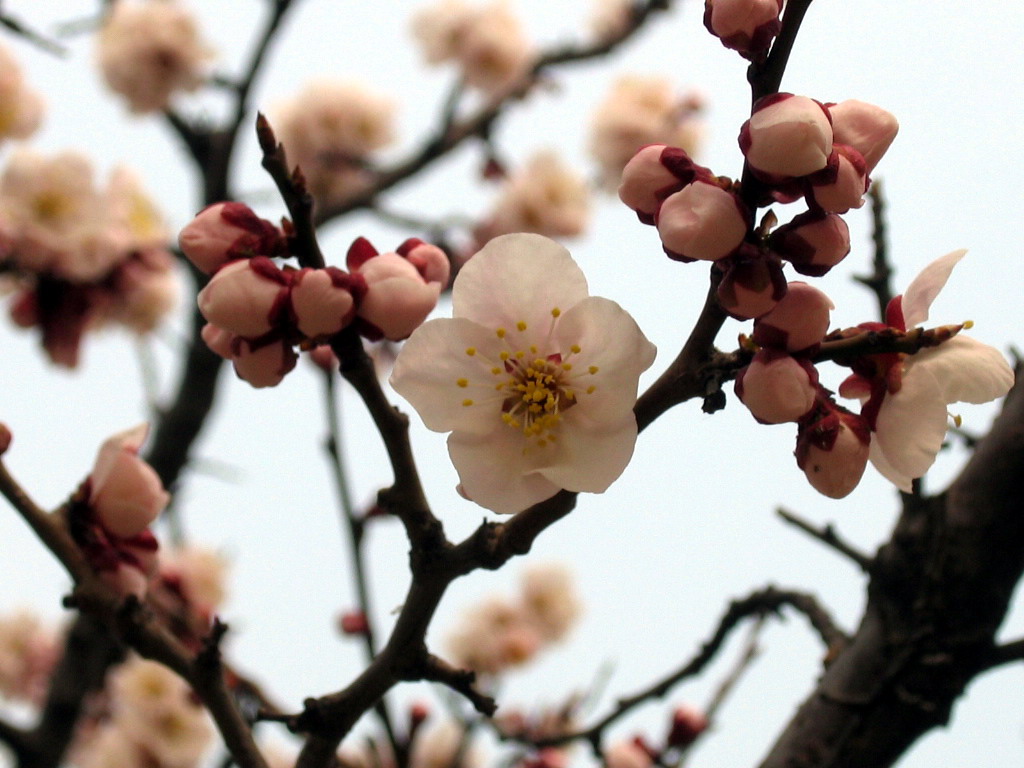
690	525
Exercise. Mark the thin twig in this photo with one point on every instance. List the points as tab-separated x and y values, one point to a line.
880	281
36	38
1008	653
828	536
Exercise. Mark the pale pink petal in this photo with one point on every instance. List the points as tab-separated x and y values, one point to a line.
966	370
921	292
432	367
126	493
266	366
494	472
397	306
901	480
239	299
130	440
590	460
911	424
321	308
517	278
610	341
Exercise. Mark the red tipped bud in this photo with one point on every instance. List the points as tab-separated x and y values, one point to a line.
223	232
752	286
799	321
354	623
244	296
5	438
654	173
263	366
786	136
832	450
687	724
812	242
777	388
867	128
843	190
746	26
702	221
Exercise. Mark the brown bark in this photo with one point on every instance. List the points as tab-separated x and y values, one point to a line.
939	589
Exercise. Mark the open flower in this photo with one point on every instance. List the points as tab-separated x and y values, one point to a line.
911	421
535	379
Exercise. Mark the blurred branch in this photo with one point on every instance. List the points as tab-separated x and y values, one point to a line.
27	33
452	132
1007	653
759	604
829	538
766	77
879	282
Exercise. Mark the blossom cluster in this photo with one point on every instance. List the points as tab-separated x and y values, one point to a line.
79	256
330	130
149	51
796	148
501	633
258	312
485	41
686	725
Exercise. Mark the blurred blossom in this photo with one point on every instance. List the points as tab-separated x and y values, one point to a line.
330	129
149	51
28	651
638	111
21	109
545	196
610	18
487	42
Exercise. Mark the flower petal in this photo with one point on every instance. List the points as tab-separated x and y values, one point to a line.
612	345
517	278
437	376
494	471
911	423
591	459
888	471
966	370
923	289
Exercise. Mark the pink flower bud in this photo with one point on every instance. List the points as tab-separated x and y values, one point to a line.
264	366
323	357
5	438
833	452
799	321
354	623
627	754
24	309
223	232
125	492
752	285
846	189
430	261
702	221
687	724
777	388
397	299
747	26
786	136
321	302
812	242
646	180
244	297
218	340
867	128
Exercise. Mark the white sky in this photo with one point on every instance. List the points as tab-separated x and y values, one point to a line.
690	525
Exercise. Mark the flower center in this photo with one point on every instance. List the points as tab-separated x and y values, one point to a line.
532	386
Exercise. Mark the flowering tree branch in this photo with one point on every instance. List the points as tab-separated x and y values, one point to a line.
938	592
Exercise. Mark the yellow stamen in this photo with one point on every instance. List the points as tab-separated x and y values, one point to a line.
521	325
592	369
575	349
556	312
467	402
591	389
495	370
463	383
501	333
968	324
470	351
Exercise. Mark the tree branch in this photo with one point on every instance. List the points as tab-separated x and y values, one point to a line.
829	538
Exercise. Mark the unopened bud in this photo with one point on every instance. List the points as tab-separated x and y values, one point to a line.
243	297
799	321
223	232
786	136
746	26
5	438
647	179
777	388
867	128
687	724
812	242
833	451
752	285
702	221
845	189
321	301
354	623
263	366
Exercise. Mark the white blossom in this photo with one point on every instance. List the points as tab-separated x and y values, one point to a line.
535	379
912	421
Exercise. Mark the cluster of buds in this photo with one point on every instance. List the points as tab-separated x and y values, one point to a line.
79	256
795	148
110	514
257	311
745	26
